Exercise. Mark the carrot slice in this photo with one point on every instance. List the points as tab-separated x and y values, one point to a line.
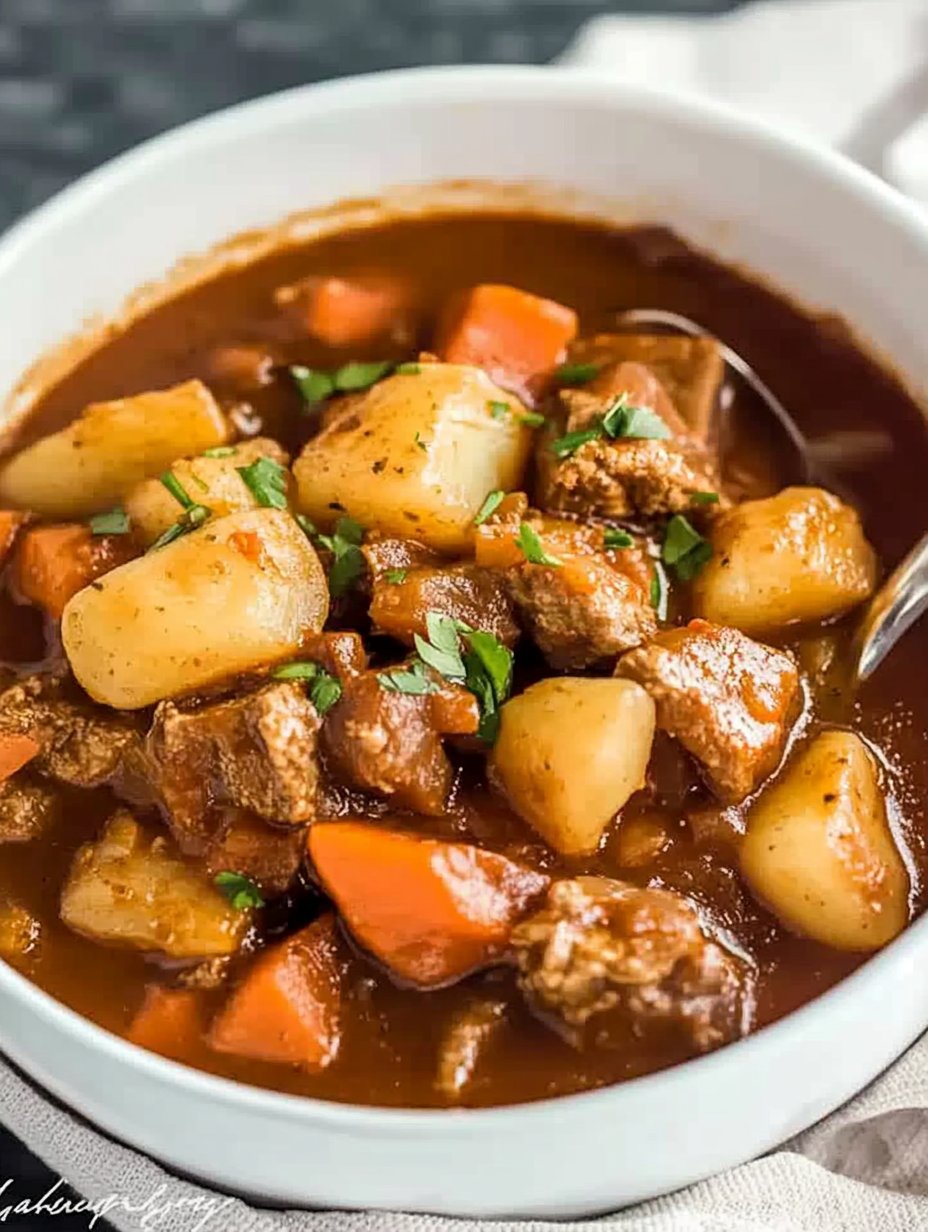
345	312
53	563
511	334
170	1022
10	523
288	1007
15	751
430	910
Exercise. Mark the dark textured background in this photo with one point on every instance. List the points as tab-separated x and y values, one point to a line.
81	80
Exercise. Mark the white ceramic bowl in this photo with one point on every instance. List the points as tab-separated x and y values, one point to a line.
807	220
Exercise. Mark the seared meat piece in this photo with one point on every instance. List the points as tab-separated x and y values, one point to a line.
729	700
341	654
268	856
466	1040
80	744
257	751
625	476
131	888
691	370
591	606
401	595
20	933
207	975
27	810
389	742
606	962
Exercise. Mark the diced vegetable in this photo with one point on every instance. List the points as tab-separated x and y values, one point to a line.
287	1009
240	593
20	933
213	479
509	333
10	524
94	462
52	563
414	456
132	889
431	911
799	556
343	312
15	752
570	752
819	851
170	1021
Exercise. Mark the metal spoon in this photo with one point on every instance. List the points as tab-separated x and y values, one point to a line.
903	597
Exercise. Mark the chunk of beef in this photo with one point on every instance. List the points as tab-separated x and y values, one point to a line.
591	606
401	595
730	701
266	855
256	751
390	742
606	962
625	476
465	1043
691	370
131	888
80	744
341	653
27	810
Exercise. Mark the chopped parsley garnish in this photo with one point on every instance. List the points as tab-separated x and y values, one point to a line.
395	576
193	516
345	545
420	442
412	369
531	547
660	591
412	680
576	374
615	538
568	444
267	481
704	498
221	451
176	488
442	651
325	690
619	420
306	525
355	376
531	419
314	384
240	890
114	522
491	503
684	549
300	670
499	410
473	658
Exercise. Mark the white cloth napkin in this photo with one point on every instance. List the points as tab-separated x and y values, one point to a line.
854	73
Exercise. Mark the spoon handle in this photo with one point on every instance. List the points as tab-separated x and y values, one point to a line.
895	607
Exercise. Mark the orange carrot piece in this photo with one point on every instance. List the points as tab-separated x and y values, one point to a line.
15	751
511	334
53	563
170	1022
10	523
345	312
430	910
288	1007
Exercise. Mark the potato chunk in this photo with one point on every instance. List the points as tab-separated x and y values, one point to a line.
799	556
133	890
96	460
819	851
211	481
235	595
416	455
570	752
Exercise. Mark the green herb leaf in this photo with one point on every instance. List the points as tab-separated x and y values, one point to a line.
221	451
395	576
306	526
193	517
346	569
442	651
491	503
499	410
488	668
267	481
298	670
633	422
356	375
420	442
615	538
325	692
240	890
412	369
568	444
704	498
531	419
576	374
684	548
176	488
115	522
313	384
531	548
660	591
413	681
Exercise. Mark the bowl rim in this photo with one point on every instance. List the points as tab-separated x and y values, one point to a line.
418	86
